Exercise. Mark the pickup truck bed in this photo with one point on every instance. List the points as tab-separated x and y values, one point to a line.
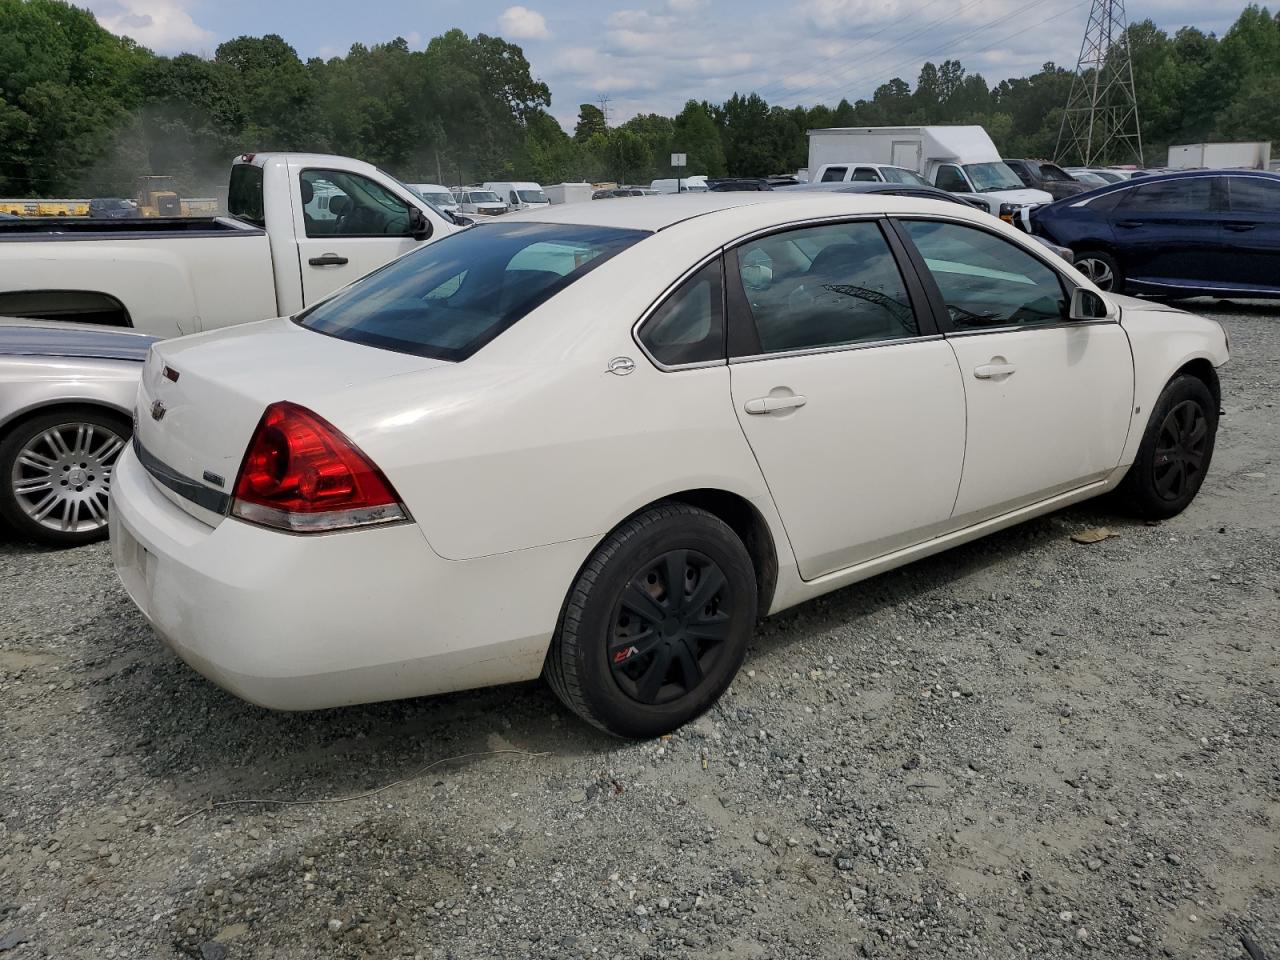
303	226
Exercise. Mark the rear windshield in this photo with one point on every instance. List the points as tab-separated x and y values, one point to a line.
244	197
450	298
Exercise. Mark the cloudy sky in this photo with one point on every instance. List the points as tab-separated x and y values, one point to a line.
653	55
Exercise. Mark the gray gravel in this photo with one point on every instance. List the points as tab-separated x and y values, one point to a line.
1027	747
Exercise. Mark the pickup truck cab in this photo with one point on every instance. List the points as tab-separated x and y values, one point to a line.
300	227
1046	176
853	172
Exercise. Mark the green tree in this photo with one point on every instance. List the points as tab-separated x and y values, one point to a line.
694	133
590	122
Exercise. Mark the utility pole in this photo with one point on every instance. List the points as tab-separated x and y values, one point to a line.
604	107
1100	122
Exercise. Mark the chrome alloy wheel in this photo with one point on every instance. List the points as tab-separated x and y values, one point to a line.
62	476
1097	271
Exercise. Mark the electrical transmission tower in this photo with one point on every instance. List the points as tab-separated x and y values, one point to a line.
1100	124
604	107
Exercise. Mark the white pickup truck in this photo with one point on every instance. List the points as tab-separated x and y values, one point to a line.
300	227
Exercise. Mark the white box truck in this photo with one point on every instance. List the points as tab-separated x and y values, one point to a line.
569	192
959	159
1220	156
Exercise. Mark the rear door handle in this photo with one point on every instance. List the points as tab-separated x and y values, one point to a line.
761	405
1128	224
989	371
1239	227
328	260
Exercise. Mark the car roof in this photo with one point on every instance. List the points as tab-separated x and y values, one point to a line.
780	206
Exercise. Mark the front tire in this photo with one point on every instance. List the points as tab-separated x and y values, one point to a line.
1101	268
55	475
1176	450
657	623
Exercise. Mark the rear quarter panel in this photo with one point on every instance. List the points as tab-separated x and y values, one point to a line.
532	441
31	384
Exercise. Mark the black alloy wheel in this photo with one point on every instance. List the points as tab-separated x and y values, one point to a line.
1176	450
656	624
670	627
1181	451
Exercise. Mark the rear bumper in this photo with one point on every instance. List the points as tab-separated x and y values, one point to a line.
305	622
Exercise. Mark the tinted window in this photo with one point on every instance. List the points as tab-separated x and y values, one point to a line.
824	286
903	175
987	281
450	298
950	178
338	203
1254	195
865	173
689	326
244	196
1051	172
1190	195
834	174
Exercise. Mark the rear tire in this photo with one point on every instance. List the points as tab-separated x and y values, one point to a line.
637	658
55	474
1176	451
1102	268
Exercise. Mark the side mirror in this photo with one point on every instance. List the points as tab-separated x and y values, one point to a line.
419	226
1087	305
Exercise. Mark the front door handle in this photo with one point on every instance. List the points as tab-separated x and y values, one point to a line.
1239	227
328	260
1128	224
989	371
761	405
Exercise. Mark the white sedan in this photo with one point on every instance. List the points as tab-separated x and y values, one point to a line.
597	441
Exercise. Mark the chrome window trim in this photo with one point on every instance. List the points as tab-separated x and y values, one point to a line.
837	348
660	301
1019	327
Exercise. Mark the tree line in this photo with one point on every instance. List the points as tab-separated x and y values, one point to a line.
84	112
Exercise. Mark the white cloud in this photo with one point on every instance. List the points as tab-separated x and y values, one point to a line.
521	23
163	25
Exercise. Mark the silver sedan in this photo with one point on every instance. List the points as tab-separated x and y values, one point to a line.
66	399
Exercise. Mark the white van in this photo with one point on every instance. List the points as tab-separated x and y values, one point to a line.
478	202
519	194
439	197
694	184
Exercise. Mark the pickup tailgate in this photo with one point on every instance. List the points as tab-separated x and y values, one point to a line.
201	397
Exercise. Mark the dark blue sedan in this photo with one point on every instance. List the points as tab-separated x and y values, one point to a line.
1201	233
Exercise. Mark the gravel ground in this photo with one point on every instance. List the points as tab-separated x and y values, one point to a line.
1027	747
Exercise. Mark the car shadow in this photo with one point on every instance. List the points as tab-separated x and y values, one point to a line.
177	727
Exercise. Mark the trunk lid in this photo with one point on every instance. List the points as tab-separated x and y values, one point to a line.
201	397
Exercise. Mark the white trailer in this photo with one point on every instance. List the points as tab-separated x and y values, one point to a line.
569	192
1220	156
960	159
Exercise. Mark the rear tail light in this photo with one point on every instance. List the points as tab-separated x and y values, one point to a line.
302	474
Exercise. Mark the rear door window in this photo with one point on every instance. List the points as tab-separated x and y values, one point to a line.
1189	195
450	298
1254	195
825	286
834	174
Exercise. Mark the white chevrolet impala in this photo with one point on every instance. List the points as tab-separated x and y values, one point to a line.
598	441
